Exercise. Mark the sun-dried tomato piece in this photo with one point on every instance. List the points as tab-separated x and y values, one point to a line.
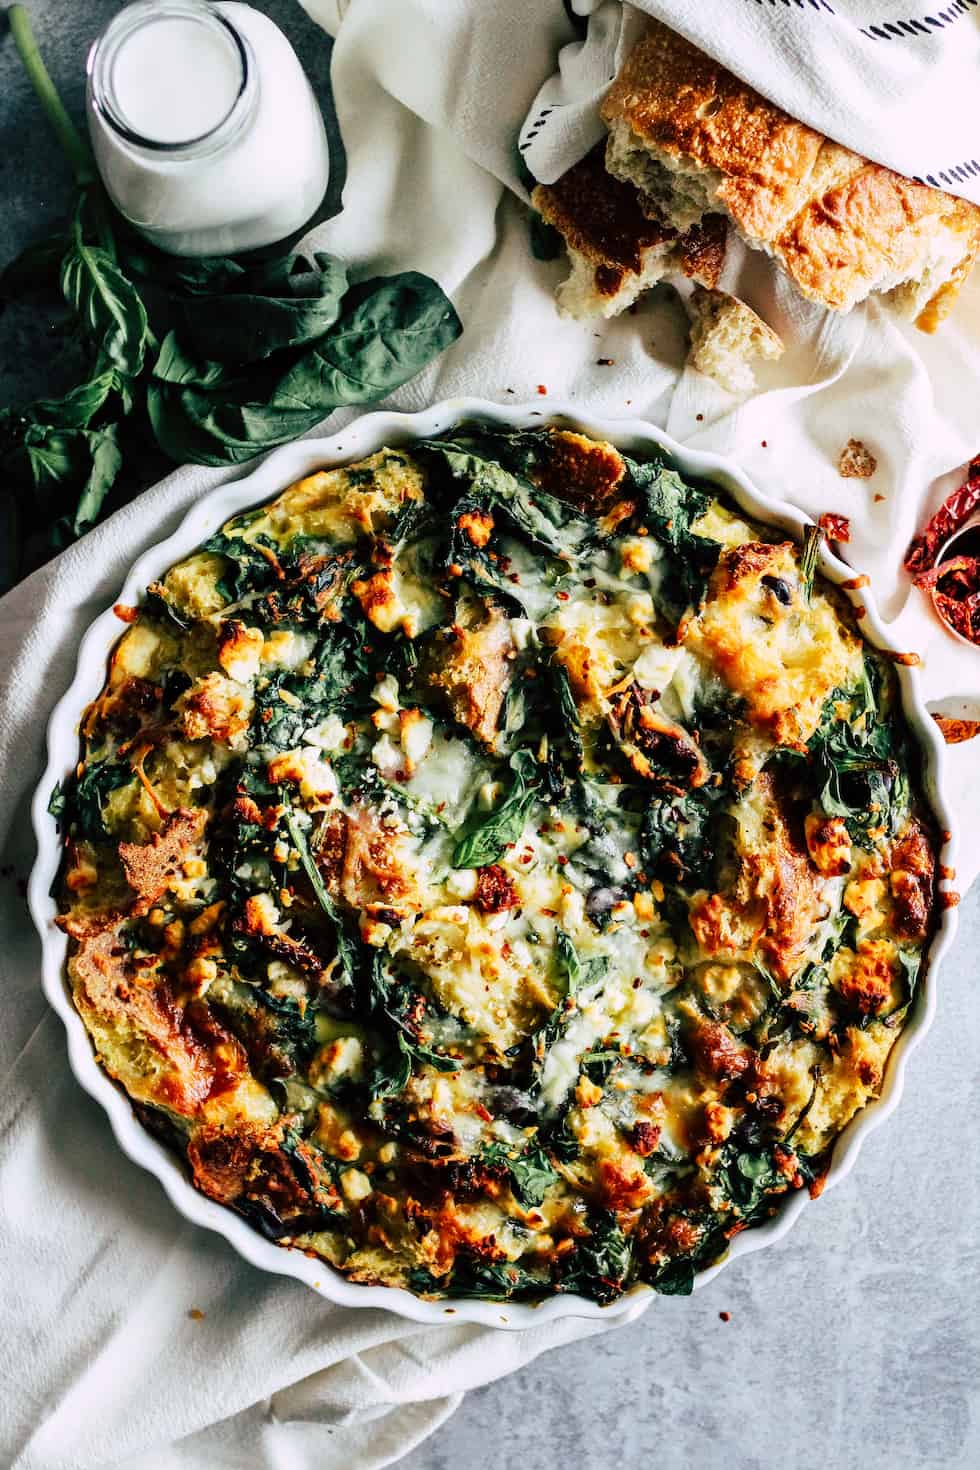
954	587
835	527
955	509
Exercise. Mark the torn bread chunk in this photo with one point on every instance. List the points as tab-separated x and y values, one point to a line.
694	140
616	250
725	335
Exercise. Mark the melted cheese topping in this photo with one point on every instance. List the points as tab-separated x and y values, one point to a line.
482	890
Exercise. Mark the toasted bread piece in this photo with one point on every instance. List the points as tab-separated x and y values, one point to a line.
725	335
694	139
615	249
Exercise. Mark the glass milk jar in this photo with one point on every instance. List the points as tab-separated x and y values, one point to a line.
204	126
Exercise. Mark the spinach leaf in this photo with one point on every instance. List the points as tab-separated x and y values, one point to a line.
676	1278
600	1267
669	506
391	1000
290	702
248	569
676	840
85	799
293	308
488	840
862	761
541	519
531	1172
495	1281
277	1031
348	949
750	1178
57	803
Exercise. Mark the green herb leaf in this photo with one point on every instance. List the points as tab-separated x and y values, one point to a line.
388	331
489	839
347	948
243	326
579	973
108	304
79	406
812	537
103	445
85	800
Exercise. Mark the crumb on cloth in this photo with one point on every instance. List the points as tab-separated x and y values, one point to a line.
856	462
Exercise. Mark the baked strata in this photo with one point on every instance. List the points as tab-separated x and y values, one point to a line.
497	867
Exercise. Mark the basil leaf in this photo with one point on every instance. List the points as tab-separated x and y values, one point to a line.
108	304
79	406
486	842
579	973
103	445
388	331
239	327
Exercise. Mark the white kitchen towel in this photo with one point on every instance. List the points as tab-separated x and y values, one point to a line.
896	82
103	1361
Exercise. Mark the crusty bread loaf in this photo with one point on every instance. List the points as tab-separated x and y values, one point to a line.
725	336
615	249
694	139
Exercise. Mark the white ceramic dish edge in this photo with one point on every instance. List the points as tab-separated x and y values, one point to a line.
279	469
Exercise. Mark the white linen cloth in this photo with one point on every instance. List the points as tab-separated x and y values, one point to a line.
100	1362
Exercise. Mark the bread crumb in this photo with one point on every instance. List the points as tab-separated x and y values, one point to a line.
195	1314
856	462
725	335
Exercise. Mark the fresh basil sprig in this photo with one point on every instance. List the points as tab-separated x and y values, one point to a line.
215	360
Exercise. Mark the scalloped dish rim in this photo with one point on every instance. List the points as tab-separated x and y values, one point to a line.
280	468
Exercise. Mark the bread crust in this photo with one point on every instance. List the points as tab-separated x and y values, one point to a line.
602	220
841	227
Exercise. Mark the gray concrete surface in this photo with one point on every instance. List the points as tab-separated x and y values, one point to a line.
853	1343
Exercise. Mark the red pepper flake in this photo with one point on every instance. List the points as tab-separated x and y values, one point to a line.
563	596
126	614
541	388
955	509
879	499
835	528
562	860
699	417
765	444
725	1316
